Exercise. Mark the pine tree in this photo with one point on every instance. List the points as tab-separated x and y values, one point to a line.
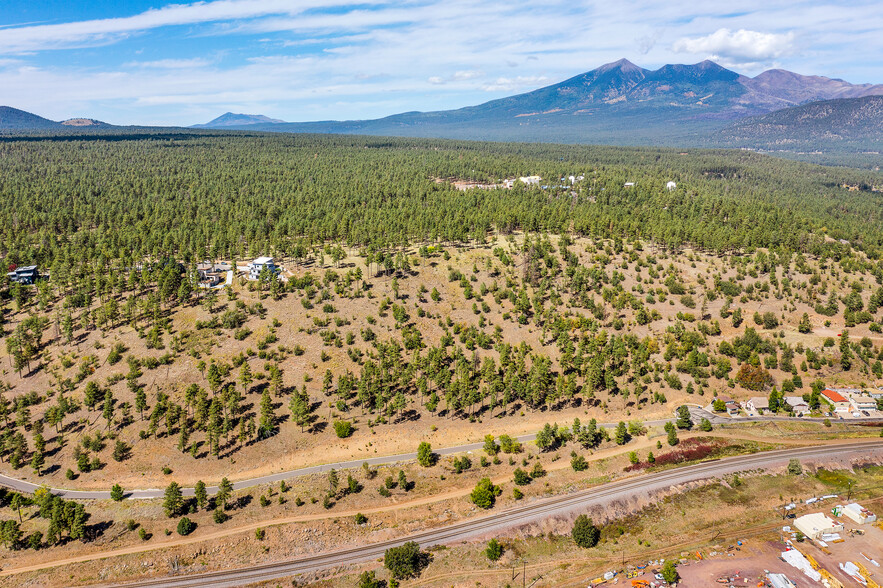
200	494
173	499
268	416
108	407
225	490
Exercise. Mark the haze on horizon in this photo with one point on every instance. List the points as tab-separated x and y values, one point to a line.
136	62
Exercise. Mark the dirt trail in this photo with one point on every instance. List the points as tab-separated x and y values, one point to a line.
643	443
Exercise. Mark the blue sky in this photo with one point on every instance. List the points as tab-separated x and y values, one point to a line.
152	62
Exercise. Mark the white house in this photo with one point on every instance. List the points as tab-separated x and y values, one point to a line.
671	186
758	403
797	404
258	265
531	180
862	402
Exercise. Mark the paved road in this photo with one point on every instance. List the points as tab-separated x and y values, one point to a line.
524	514
148	493
696	412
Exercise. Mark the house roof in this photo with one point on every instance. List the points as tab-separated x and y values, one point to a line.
795	400
833	396
760	402
263	260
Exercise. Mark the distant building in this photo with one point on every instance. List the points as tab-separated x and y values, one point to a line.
213	267
531	180
797	404
629	185
862	402
258	265
840	403
24	275
816	524
758	403
209	279
859	514
671	186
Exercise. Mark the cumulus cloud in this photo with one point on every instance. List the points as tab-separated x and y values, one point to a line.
738	46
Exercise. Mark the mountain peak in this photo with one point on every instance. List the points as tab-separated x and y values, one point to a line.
15	119
232	119
623	64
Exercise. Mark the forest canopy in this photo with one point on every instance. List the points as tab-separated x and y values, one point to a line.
123	198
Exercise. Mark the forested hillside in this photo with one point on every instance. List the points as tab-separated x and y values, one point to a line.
406	310
112	203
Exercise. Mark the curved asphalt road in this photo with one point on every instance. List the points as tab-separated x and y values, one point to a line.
528	513
696	412
29	487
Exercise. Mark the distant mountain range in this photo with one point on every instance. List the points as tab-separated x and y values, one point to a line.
703	104
617	103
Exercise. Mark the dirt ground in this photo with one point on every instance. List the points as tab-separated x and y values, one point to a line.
747	567
292	448
853	548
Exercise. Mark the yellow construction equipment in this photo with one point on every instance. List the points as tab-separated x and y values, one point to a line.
832	581
812	561
867	576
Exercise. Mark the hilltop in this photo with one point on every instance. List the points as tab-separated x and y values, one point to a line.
840	123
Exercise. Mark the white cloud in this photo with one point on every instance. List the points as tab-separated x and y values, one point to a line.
170	63
103	31
738	46
300	60
510	84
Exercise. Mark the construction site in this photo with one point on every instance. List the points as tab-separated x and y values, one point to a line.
841	547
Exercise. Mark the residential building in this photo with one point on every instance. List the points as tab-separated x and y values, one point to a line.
862	402
258	265
758	403
841	404
531	180
798	404
24	275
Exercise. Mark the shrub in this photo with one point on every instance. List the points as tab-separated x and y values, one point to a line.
494	550
485	493
522	478
185	526
404	561
343	429
578	463
584	533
